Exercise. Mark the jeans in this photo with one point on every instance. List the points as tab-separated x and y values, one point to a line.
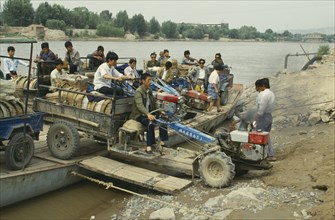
163	133
265	124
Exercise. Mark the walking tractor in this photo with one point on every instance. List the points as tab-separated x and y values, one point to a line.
216	158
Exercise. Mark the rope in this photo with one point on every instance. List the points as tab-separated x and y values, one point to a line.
109	185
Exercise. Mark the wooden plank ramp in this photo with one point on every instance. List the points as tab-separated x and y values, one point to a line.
135	175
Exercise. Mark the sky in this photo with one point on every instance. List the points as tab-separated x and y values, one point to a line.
278	15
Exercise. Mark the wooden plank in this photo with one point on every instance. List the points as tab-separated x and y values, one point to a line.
136	175
173	160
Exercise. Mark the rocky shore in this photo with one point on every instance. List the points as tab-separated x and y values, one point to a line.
301	183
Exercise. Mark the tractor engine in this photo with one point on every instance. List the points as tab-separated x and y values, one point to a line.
195	99
170	103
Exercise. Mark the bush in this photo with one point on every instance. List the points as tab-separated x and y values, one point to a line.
323	50
107	29
56	24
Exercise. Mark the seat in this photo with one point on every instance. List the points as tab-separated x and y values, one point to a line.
131	130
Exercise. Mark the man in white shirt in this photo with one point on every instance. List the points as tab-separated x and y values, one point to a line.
199	76
57	76
131	71
11	64
266	101
105	73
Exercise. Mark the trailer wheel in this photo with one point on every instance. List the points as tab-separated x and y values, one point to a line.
19	151
63	140
224	97
217	170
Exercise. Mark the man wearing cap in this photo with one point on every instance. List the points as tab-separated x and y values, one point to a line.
46	59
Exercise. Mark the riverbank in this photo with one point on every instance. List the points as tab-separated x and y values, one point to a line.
46	34
301	183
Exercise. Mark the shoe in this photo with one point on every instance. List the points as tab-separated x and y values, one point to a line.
271	158
219	110
148	150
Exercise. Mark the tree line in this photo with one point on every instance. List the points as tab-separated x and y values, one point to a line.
22	13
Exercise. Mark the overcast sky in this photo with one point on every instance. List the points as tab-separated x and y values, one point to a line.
275	14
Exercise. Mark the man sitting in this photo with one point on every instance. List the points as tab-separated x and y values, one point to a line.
106	73
96	58
144	105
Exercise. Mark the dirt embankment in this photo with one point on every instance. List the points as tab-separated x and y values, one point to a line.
301	183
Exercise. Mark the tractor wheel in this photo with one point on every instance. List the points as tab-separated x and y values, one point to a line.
217	170
19	151
224	97
63	140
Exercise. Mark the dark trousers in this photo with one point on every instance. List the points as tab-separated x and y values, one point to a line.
163	133
110	91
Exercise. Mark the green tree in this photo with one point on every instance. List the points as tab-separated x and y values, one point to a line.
137	25
55	24
79	16
169	28
43	13
233	33
60	13
122	20
105	15
248	32
18	13
154	26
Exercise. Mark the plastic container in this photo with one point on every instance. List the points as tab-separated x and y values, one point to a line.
239	136
258	137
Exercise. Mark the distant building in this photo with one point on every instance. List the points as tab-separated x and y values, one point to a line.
312	37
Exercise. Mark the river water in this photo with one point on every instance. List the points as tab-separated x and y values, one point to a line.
249	61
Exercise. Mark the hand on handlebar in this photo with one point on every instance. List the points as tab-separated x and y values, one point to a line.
151	117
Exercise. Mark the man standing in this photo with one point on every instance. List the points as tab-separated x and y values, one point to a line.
266	101
45	61
72	57
106	73
144	105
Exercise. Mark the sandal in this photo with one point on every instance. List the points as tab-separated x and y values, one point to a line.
219	110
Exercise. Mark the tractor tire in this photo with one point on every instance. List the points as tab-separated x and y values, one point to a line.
19	151
63	140
217	170
224	97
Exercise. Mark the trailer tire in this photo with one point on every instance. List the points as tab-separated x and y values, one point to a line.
19	151
224	97
217	170
63	140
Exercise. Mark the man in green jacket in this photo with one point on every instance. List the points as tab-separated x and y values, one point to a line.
144	105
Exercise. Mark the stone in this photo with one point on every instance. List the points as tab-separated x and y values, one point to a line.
302	132
163	214
223	214
314	118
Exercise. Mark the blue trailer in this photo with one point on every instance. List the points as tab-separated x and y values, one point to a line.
20	132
